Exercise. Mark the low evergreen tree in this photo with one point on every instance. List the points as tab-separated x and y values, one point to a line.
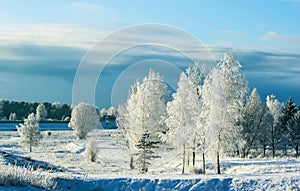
30	132
294	132
145	152
288	112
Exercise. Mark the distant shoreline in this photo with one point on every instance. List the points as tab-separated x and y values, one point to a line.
20	121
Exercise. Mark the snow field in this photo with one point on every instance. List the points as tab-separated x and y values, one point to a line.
111	169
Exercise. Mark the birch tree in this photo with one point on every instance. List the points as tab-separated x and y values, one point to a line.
182	113
253	116
145	108
224	93
215	102
274	108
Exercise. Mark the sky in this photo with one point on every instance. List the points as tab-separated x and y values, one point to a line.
43	45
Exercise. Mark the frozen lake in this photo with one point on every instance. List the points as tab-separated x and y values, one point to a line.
53	126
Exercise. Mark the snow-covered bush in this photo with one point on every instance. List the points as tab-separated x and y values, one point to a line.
84	118
91	150
30	132
18	176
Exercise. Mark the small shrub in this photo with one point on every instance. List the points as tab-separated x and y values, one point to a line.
91	150
197	170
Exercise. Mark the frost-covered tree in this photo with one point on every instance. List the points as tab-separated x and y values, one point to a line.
236	89
182	113
253	117
224	93
274	108
288	112
201	131
84	118
122	118
57	104
29	132
196	75
257	124
12	117
103	112
111	112
215	102
41	112
144	110
264	134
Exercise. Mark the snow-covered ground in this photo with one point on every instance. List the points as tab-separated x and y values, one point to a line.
62	155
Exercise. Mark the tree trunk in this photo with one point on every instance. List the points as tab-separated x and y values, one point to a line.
264	148
203	163
273	148
194	153
273	141
244	153
238	152
218	163
131	163
297	149
144	160
30	148
194	158
285	150
188	159
183	160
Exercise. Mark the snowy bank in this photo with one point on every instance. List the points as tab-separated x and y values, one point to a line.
184	183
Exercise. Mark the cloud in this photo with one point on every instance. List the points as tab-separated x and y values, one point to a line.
35	88
40	60
84	7
272	72
292	1
3	14
230	32
51	34
52	53
281	38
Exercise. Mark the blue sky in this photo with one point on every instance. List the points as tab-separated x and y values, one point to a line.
43	42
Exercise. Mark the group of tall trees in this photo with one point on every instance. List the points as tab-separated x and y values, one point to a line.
13	110
213	115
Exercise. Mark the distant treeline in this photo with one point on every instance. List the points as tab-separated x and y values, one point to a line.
55	111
